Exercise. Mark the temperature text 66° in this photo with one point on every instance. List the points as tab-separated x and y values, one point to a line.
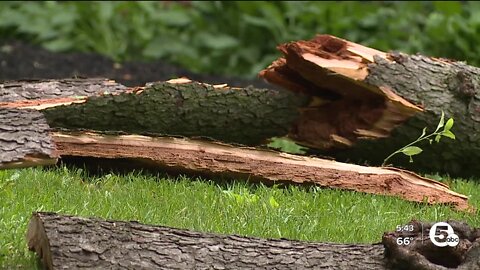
404	241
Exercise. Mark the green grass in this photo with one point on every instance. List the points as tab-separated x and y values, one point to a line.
311	214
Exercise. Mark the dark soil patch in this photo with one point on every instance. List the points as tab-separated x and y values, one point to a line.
22	61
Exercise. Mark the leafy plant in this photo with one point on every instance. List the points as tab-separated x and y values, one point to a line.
411	150
240	38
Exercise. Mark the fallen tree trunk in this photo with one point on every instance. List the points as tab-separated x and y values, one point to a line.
199	156
382	101
64	241
214	159
248	116
341	111
78	243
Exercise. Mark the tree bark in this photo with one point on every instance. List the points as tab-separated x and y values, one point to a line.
248	116
214	159
71	242
380	101
24	139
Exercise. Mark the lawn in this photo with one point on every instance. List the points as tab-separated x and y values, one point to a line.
294	212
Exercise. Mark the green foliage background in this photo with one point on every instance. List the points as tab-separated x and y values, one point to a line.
239	38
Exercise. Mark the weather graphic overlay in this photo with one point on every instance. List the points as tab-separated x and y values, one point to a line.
446	243
442	235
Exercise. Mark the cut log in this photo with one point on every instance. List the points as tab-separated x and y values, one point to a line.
63	241
24	139
214	159
380	101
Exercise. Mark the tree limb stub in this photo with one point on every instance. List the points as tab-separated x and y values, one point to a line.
213	158
382	102
65	241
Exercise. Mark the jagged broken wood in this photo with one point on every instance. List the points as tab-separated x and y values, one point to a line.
214	158
374	102
65	241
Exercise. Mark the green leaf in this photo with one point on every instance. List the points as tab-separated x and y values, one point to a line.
441	123
273	202
438	137
448	125
448	134
412	150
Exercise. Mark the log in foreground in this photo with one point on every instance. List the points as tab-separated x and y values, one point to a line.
64	241
376	102
71	242
213	159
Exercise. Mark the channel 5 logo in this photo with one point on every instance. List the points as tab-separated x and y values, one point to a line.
442	235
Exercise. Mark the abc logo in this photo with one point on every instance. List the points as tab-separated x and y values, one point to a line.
442	235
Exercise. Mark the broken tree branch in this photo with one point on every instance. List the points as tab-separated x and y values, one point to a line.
376	102
213	158
180	107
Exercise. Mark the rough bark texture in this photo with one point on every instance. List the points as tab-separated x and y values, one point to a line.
374	102
422	254
24	139
31	92
248	116
257	165
71	242
438	85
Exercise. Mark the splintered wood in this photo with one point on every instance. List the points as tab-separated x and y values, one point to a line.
212	159
334	70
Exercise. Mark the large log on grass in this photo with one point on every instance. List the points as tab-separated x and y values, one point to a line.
84	243
70	242
374	103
